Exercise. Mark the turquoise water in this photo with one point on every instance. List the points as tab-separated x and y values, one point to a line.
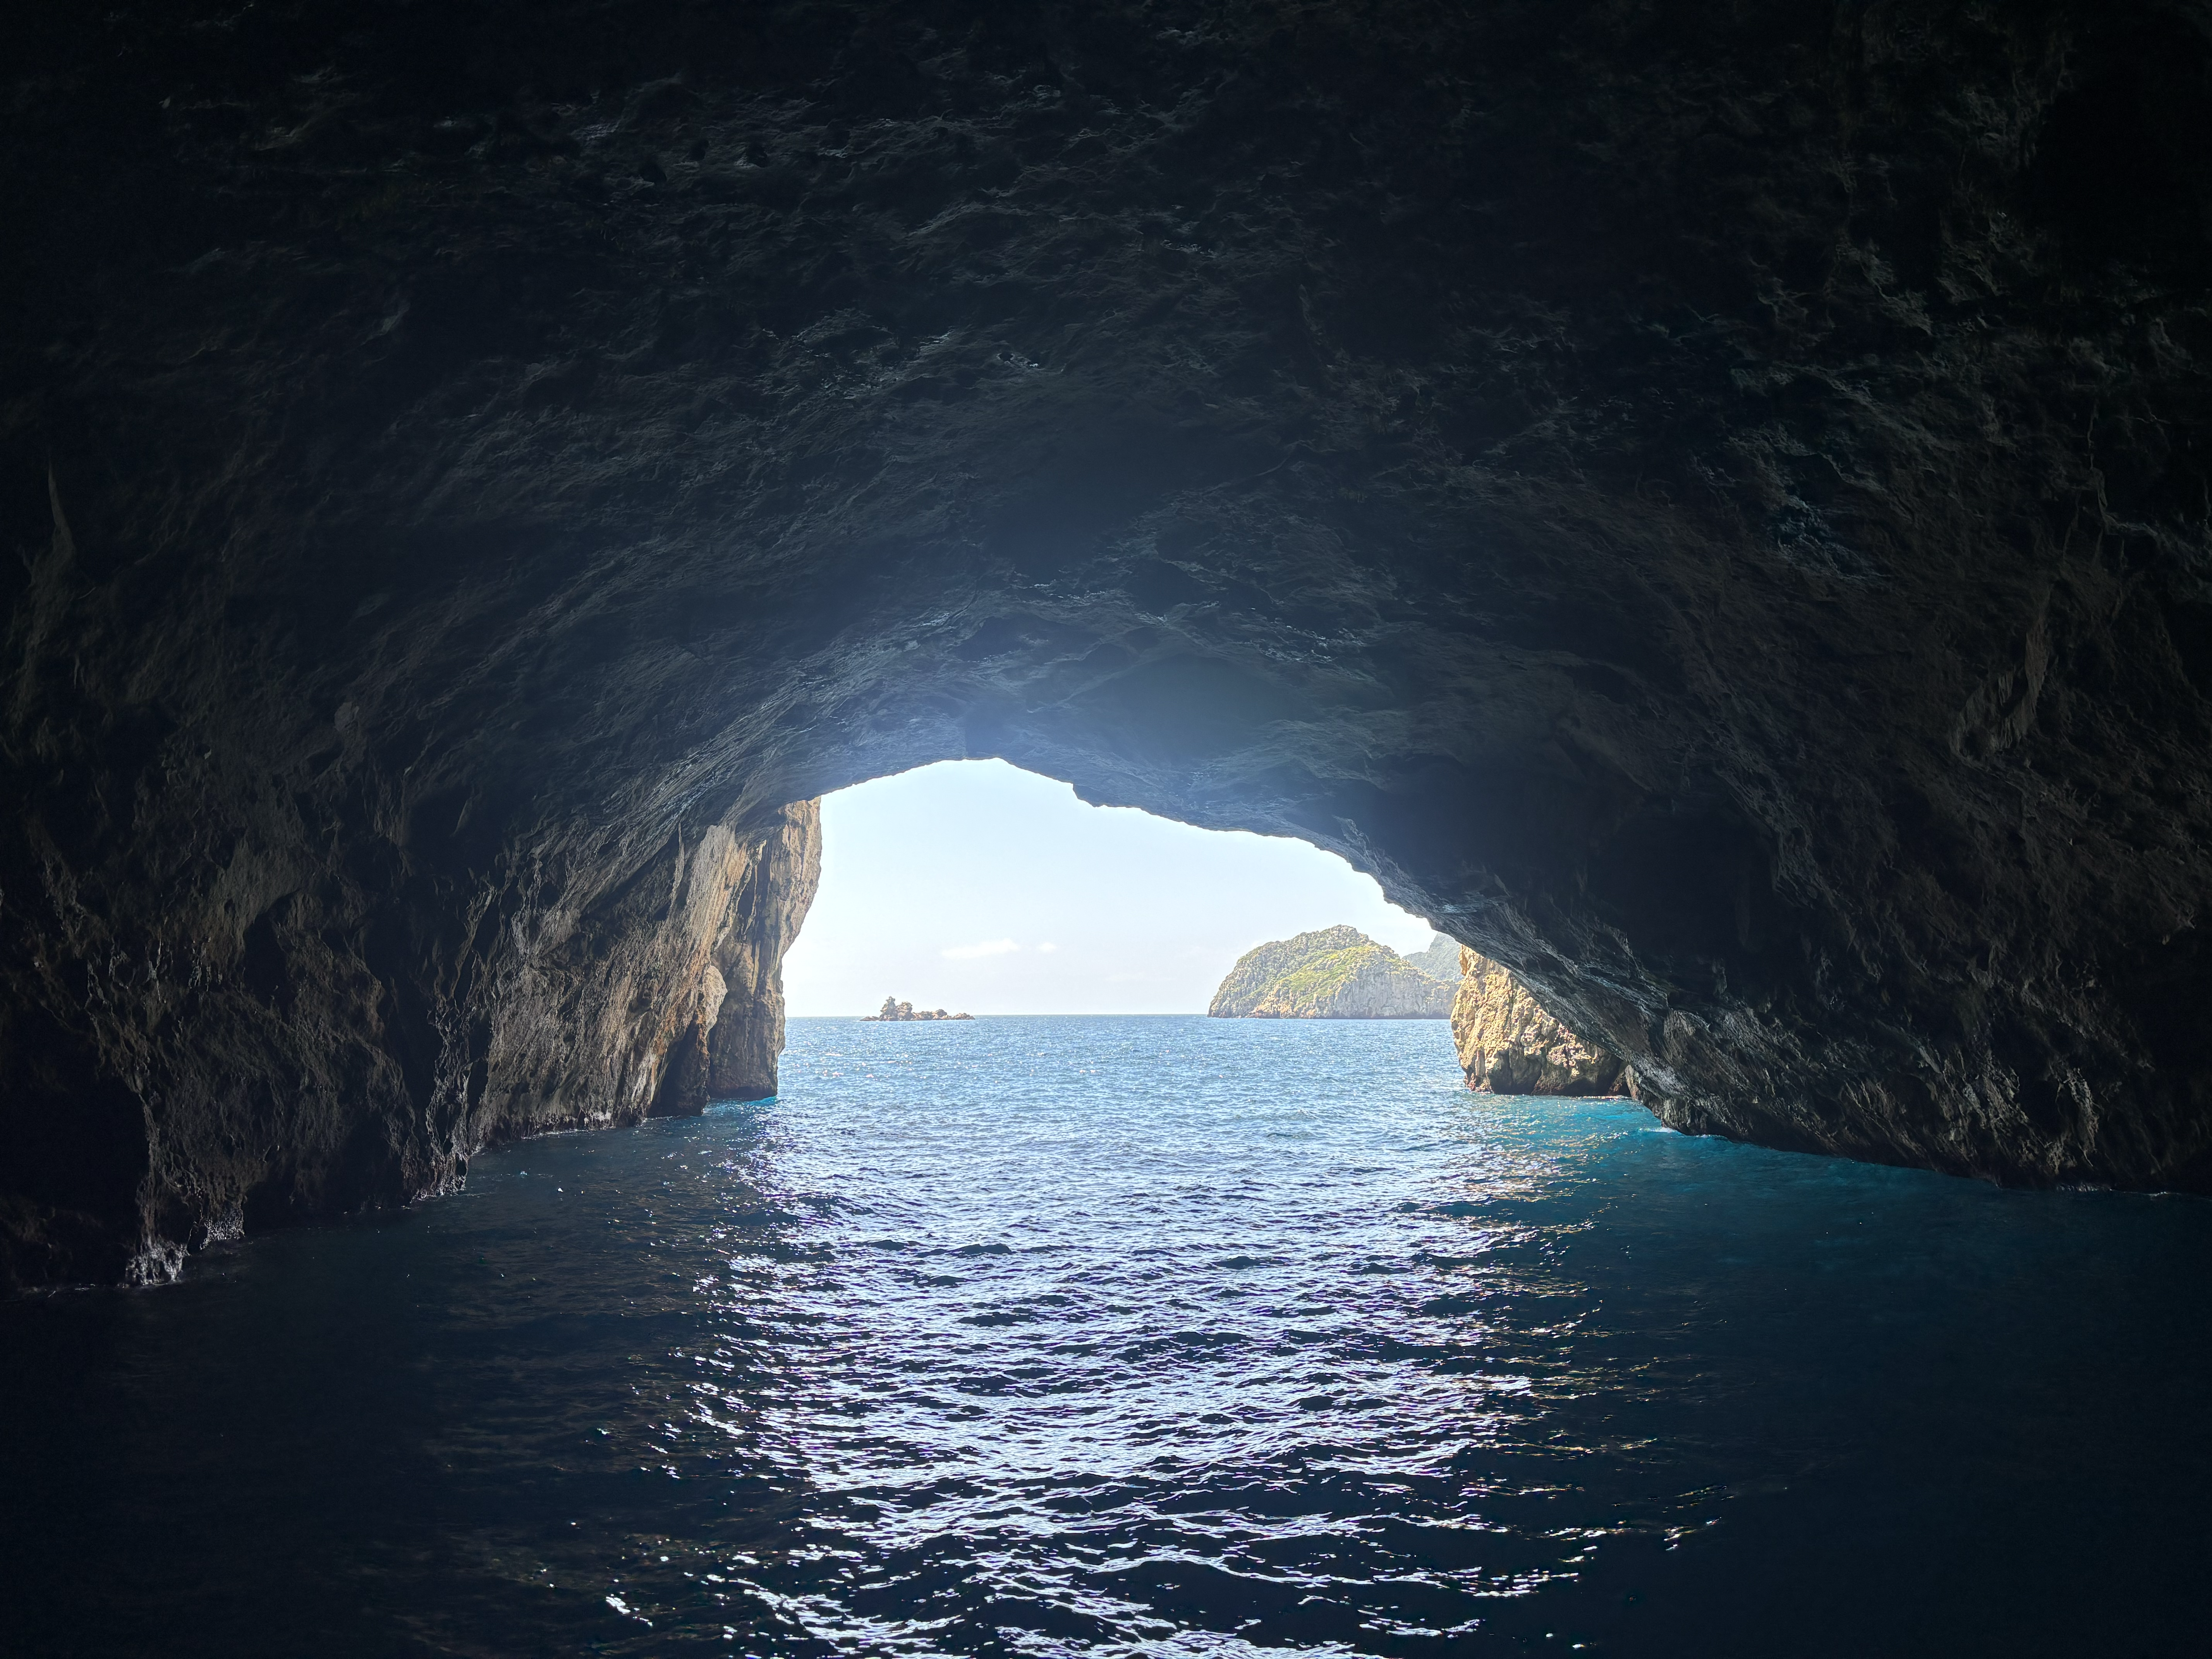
1136	1336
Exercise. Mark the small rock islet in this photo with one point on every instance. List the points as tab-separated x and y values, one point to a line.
893	1009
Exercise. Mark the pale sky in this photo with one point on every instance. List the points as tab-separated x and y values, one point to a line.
983	889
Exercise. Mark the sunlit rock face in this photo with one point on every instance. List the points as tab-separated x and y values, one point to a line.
1508	1045
1333	972
1708	503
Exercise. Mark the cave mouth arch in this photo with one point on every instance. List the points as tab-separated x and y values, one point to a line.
495	864
1739	574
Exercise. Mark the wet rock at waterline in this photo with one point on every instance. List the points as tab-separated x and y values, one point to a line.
1508	1045
1707	503
1333	972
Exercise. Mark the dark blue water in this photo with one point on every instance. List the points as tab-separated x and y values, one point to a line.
1137	1336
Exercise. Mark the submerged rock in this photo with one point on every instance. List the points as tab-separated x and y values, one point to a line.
1334	973
1508	1045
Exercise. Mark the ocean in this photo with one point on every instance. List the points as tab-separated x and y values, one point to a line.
1135	1336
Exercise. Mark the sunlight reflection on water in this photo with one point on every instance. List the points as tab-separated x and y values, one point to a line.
1155	1336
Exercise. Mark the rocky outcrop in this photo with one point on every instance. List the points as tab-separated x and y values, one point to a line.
1706	502
1335	973
1259	968
893	1009
1508	1045
731	1049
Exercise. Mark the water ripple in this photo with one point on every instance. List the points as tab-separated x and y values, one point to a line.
1142	1337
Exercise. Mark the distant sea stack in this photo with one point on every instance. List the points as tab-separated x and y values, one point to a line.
1337	973
893	1009
1509	1046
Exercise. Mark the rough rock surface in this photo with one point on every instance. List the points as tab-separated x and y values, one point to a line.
296	1082
1707	502
738	1028
1508	1045
1333	972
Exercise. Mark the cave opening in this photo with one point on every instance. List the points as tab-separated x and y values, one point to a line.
977	886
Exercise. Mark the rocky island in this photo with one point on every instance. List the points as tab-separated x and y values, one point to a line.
893	1009
1334	973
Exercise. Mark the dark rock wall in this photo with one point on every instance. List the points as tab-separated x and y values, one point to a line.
1709	503
298	1066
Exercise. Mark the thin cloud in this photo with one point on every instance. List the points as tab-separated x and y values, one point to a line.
989	947
1047	948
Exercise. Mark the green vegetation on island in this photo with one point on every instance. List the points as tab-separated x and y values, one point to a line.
1334	973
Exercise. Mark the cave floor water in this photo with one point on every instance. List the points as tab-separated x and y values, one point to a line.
1136	1336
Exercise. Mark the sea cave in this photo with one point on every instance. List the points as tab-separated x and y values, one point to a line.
1708	506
